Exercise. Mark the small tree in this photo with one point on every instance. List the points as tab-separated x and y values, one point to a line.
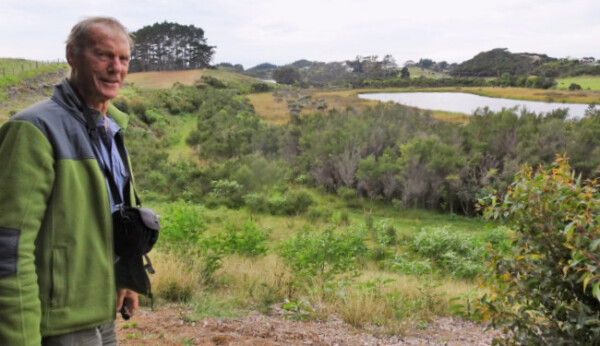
574	86
404	73
548	291
286	75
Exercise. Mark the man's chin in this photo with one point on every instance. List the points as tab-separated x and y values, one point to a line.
111	93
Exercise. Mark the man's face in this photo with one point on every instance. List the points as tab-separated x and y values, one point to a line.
100	67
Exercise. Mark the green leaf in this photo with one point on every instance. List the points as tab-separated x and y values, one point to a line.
596	290
594	244
586	281
455	307
569	230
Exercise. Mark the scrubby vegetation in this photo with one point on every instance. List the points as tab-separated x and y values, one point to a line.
320	211
371	213
547	290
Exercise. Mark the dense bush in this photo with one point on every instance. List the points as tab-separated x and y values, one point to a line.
181	224
121	104
260	88
246	240
226	192
574	86
548	290
291	203
256	202
138	107
323	254
455	253
213	82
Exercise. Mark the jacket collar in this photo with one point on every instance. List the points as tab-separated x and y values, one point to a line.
69	98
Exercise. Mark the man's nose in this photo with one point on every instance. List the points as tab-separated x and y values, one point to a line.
116	65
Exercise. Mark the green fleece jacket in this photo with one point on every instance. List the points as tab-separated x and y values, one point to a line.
57	272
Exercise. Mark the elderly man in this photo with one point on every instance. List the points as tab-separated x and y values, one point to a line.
60	282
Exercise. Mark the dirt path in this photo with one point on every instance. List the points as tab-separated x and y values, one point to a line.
169	326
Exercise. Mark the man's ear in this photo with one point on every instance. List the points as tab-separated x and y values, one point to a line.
70	55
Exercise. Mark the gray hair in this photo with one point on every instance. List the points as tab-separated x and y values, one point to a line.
79	32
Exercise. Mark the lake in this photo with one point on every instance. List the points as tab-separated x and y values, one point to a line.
468	103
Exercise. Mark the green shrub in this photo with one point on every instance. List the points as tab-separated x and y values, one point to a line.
456	253
256	202
247	240
316	213
182	223
548	290
137	107
349	196
323	254
260	88
151	116
214	82
227	192
574	86
121	104
292	203
385	233
407	266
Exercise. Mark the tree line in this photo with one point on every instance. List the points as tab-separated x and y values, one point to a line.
170	46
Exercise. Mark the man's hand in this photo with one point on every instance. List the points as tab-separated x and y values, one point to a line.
127	302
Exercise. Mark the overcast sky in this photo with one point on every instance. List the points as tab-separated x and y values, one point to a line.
250	32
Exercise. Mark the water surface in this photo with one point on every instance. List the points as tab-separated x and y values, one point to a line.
468	103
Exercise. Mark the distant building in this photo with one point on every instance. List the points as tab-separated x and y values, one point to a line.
347	67
588	60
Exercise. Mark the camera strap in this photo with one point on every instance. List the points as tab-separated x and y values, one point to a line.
118	141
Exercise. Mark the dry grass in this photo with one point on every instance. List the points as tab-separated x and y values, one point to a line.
377	300
175	279
163	79
269	108
275	111
247	272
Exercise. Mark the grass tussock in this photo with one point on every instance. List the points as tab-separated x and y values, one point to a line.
174	280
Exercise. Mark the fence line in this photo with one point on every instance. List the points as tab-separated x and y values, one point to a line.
28	66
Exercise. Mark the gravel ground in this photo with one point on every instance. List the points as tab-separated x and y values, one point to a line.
167	326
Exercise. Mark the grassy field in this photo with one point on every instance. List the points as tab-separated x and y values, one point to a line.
15	71
166	79
586	82
371	294
417	72
163	79
22	83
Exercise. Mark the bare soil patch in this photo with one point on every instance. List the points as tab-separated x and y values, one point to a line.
168	325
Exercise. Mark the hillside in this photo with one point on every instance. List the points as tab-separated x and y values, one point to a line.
166	79
24	82
498	61
163	79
